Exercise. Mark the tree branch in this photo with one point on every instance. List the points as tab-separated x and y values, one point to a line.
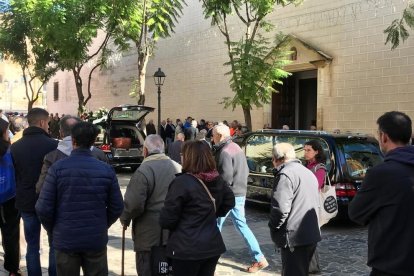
247	11
228	42
89	82
103	44
238	13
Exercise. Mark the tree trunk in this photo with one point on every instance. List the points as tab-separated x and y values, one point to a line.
247	117
141	85
81	98
142	70
29	105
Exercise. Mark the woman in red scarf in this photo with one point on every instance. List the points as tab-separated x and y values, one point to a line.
194	200
315	160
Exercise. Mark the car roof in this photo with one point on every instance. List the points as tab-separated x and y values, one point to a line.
315	133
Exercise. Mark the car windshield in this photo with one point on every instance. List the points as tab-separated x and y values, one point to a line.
360	156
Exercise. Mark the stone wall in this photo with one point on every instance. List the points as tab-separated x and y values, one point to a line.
364	80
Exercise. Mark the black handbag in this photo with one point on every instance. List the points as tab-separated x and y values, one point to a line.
161	265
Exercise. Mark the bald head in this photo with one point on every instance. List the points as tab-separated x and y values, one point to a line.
66	124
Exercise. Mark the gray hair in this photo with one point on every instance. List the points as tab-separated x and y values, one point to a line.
19	123
222	129
201	135
66	125
154	144
284	151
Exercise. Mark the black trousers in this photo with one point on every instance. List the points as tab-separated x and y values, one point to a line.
314	266
296	263
376	272
143	263
92	263
205	267
10	235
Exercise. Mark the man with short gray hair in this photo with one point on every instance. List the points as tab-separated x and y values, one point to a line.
144	199
294	211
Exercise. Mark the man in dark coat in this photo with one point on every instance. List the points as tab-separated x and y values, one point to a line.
174	149
385	200
169	132
79	201
293	223
28	154
150	127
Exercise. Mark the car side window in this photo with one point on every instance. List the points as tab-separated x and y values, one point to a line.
259	150
298	143
259	153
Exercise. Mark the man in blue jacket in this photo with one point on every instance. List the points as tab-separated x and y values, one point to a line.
80	199
385	200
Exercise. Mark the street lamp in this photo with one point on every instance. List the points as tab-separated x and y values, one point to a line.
159	78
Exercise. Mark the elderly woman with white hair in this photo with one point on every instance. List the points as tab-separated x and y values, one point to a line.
294	206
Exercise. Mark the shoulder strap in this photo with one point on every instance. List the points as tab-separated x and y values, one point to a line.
319	166
322	166
208	192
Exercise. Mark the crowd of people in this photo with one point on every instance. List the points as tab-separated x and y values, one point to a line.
191	129
182	199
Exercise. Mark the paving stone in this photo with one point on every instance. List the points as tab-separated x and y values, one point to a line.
342	251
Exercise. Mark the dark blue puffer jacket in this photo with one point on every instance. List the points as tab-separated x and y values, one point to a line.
79	200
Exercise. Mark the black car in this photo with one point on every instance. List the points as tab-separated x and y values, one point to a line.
349	156
122	138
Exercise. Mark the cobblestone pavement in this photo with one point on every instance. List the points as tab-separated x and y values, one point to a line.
342	251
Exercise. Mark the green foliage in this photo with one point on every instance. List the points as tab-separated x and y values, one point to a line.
143	23
397	31
19	42
68	27
256	66
256	63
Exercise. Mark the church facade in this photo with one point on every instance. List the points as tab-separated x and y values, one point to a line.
343	75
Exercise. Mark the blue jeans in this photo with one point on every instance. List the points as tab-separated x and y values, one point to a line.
238	217
32	228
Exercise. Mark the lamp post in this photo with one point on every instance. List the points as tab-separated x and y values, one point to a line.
159	78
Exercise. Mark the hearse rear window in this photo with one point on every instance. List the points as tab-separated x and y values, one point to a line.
360	156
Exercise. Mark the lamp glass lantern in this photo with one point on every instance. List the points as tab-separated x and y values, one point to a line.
159	77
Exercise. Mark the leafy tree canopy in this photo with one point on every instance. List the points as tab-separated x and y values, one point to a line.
19	42
255	61
143	23
397	31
